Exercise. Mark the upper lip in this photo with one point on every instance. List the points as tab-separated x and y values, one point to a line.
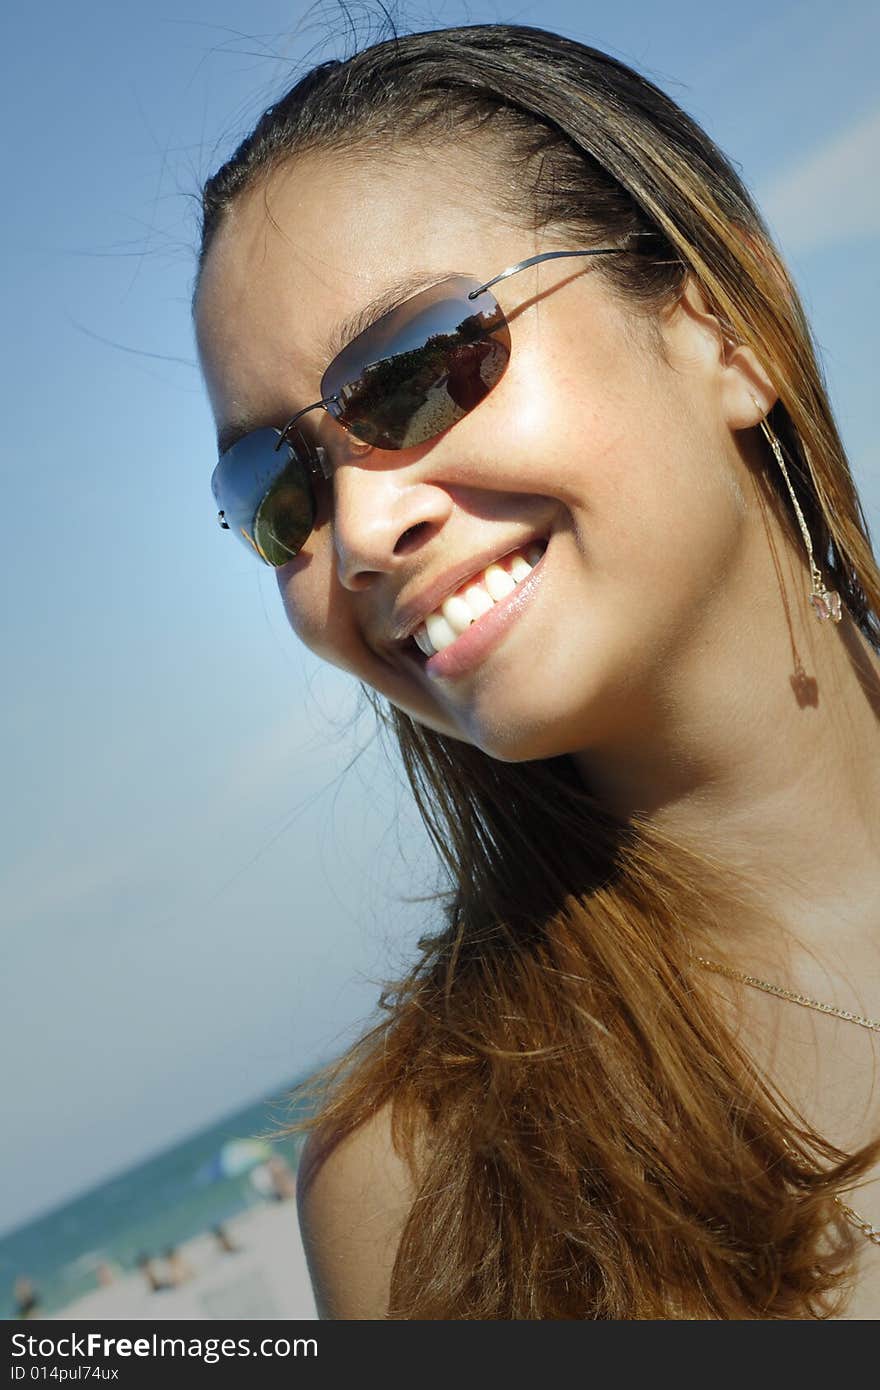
408	616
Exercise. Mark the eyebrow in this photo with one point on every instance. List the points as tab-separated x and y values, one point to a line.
389	298
342	333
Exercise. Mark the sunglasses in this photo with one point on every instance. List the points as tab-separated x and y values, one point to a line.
414	372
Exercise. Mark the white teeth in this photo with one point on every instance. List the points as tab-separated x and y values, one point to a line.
423	641
457	612
440	634
477	600
498	582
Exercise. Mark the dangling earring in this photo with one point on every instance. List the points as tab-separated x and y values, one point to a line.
825	602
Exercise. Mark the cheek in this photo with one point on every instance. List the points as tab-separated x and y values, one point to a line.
570	403
318	609
314	610
605	428
318	613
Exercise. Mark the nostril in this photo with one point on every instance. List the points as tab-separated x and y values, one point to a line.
411	536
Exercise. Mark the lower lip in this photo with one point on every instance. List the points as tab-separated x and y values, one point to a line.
469	649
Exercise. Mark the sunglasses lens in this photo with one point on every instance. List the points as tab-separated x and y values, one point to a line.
284	521
421	367
265	496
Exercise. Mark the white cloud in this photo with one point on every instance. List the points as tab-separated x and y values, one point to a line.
832	195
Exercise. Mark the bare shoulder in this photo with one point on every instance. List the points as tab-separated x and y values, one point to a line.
353	1200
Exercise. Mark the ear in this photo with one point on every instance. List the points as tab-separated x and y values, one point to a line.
746	393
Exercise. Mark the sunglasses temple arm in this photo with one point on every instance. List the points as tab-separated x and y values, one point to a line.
544	256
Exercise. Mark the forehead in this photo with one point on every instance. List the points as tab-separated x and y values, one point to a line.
305	250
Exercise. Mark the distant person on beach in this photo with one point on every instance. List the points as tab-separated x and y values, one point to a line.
106	1273
177	1267
26	1298
224	1240
516	395
155	1283
274	1179
281	1178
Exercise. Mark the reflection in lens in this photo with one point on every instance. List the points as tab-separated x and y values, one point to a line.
285	518
266	495
438	360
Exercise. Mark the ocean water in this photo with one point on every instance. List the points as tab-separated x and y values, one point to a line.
172	1196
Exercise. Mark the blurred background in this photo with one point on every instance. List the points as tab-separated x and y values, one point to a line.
205	855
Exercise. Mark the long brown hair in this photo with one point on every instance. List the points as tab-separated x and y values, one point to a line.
600	1143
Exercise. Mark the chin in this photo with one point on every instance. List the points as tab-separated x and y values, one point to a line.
521	743
518	732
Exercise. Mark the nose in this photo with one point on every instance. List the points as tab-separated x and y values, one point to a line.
383	508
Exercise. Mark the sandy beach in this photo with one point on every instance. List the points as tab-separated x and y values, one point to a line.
266	1277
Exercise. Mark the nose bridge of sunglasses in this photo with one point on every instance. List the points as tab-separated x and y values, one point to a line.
337	446
295	433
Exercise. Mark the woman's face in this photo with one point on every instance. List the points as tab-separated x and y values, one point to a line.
622	459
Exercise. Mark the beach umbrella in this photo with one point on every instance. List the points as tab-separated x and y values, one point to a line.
239	1156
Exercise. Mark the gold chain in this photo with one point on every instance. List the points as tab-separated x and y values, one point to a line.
868	1231
864	1226
789	994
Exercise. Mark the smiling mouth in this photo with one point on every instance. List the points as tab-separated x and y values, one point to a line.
463	608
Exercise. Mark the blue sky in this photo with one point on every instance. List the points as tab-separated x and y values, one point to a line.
198	898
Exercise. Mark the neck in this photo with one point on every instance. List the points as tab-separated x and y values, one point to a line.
761	745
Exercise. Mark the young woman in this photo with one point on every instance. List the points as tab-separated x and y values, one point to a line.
515	393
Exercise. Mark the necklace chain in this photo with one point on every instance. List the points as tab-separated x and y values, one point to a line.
804	999
868	1231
